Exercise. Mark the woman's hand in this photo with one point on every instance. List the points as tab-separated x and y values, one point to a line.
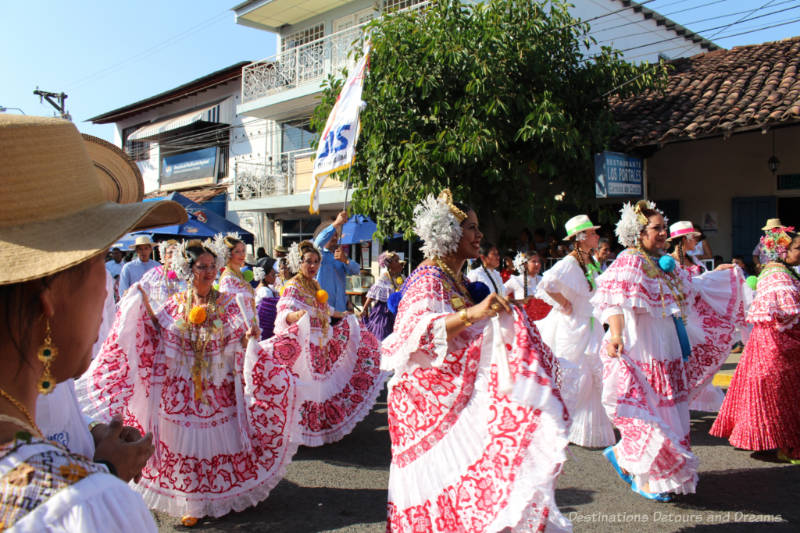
564	304
491	306
123	447
294	316
614	346
253	332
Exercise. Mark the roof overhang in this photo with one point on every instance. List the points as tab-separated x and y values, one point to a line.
210	114
271	15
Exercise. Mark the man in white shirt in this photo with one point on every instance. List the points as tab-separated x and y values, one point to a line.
115	264
487	273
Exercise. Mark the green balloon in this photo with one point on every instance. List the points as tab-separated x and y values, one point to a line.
752	281
248	275
216	286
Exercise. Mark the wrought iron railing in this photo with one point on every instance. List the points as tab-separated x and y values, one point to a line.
302	64
258	180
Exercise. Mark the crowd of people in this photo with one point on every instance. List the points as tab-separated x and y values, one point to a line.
185	385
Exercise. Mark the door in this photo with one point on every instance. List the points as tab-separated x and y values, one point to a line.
749	214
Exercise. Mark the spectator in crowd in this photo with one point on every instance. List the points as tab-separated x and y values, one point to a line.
134	270
602	253
335	265
760	257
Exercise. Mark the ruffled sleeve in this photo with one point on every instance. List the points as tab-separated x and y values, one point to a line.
631	283
419	333
777	300
381	289
566	278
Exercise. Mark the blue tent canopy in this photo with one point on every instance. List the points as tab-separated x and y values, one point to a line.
202	222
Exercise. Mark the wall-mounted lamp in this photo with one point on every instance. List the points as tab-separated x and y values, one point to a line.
773	161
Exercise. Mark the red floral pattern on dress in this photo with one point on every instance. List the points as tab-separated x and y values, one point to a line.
425	403
760	408
211	482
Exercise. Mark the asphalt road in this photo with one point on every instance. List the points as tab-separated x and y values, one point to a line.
342	487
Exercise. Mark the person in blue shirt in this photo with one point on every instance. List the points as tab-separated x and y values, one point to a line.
335	265
134	270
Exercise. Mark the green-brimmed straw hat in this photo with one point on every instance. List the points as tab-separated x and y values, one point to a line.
578	224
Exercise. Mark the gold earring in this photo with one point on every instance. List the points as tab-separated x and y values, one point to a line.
47	354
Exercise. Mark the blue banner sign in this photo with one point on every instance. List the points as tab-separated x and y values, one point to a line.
617	175
187	166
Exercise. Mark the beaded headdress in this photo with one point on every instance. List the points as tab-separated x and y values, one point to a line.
163	246
437	221
776	241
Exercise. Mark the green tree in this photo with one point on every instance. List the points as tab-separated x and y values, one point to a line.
496	100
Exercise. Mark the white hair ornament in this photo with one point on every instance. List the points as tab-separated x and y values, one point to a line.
519	261
632	222
218	246
180	263
438	225
259	273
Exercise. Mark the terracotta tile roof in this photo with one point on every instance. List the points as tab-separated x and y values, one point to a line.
717	93
198	195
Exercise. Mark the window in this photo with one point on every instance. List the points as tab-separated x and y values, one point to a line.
296	135
297	230
302	37
397	5
137	150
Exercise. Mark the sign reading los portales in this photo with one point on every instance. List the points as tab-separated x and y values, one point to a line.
618	175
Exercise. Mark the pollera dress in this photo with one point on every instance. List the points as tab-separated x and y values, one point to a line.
337	365
160	284
760	411
477	423
380	320
224	418
646	391
575	340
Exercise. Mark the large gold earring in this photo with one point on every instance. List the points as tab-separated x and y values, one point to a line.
47	354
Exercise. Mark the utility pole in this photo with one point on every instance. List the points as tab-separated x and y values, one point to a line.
54	99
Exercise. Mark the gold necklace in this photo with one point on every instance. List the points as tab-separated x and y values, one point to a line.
673	283
24	410
309	288
460	301
201	338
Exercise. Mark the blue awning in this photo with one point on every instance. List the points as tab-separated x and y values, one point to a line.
202	222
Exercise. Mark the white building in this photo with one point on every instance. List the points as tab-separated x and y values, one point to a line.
314	38
186	138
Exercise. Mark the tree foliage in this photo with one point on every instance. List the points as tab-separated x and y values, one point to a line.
496	100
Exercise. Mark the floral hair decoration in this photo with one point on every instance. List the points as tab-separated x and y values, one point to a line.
776	241
295	255
219	247
632	222
519	261
163	246
181	262
437	221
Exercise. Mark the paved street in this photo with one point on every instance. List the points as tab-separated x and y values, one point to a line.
342	487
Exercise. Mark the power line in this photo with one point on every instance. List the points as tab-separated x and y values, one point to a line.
651	69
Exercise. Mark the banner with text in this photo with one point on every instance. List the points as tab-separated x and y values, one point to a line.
337	145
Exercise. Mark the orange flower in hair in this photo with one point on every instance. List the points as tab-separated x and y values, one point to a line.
197	315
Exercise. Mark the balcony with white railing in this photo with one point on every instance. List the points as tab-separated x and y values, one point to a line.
265	82
292	175
308	63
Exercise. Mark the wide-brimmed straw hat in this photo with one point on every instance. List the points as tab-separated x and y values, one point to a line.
773	223
682	228
141	240
55	213
577	224
120	178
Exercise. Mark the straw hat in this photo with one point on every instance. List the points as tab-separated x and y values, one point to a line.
773	223
55	212
577	224
682	228
119	176
141	240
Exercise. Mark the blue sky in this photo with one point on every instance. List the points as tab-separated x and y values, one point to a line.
105	55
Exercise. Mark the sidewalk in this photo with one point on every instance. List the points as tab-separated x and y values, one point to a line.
725	374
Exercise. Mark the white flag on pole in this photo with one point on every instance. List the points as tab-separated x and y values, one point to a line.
337	145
